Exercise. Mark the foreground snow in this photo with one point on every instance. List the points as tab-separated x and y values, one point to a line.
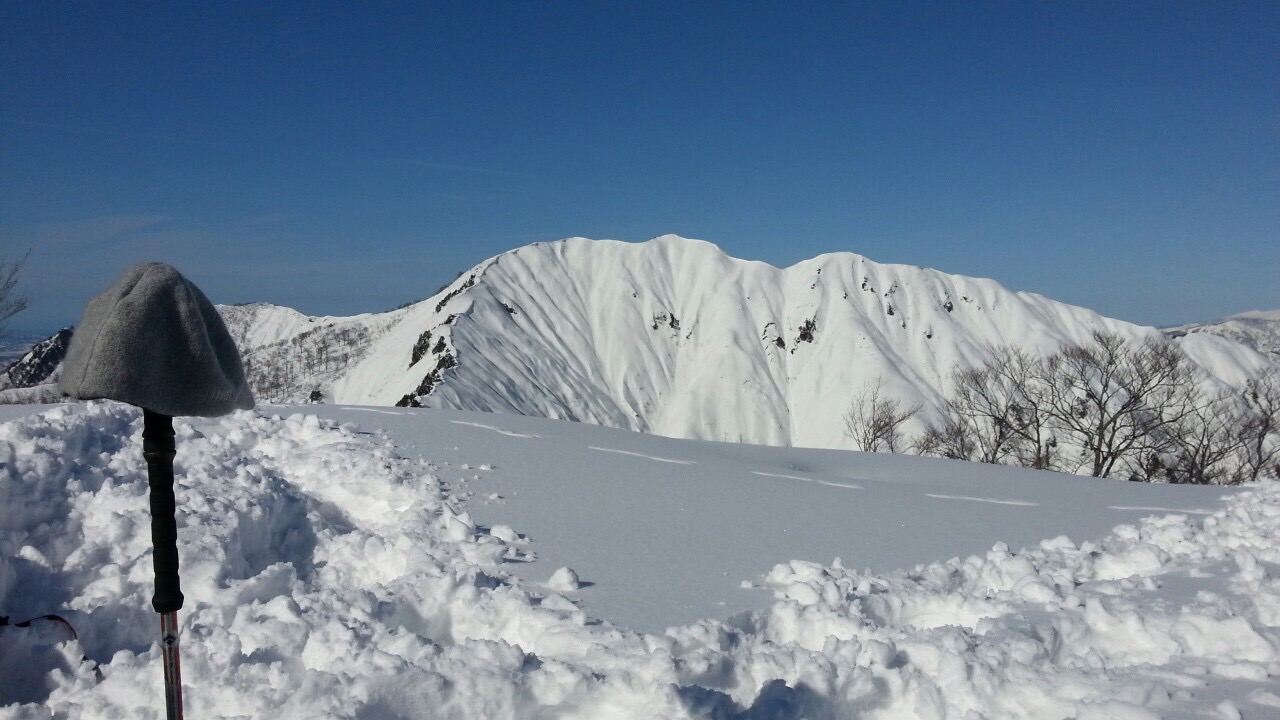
328	576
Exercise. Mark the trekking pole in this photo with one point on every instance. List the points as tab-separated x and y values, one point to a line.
159	448
153	340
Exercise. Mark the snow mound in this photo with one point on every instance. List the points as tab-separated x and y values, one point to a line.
564	580
328	576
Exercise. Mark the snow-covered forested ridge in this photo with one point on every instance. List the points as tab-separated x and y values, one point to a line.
328	575
676	338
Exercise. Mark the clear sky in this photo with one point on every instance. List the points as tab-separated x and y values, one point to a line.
341	158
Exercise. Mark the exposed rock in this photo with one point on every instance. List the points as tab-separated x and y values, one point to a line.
40	364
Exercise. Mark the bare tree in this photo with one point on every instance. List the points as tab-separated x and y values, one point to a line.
1141	411
1202	441
1029	384
1117	401
977	423
874	422
11	303
1258	432
997	413
950	438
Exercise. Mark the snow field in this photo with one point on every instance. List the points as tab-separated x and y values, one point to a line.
327	576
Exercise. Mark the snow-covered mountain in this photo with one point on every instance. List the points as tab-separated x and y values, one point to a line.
674	337
1257	329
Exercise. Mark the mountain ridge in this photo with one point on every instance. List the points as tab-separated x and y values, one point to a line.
675	337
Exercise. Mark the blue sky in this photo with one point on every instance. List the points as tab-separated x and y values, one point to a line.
341	158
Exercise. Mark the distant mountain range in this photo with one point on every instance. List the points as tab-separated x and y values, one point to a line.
674	337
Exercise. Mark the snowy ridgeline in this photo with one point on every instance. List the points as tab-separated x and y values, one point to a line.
328	575
1256	329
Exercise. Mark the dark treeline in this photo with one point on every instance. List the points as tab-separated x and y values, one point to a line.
1107	408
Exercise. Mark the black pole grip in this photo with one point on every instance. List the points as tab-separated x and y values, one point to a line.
159	448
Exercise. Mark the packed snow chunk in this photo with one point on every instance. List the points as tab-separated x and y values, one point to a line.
1265	698
564	580
1226	639
1138	561
505	534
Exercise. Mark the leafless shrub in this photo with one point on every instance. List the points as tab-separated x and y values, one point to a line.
1258	430
874	422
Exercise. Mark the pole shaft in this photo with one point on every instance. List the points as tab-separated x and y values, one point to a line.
159	449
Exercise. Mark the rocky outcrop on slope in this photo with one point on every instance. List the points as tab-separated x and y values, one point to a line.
33	377
39	365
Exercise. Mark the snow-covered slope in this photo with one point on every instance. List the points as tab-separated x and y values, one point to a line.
331	572
1257	329
290	356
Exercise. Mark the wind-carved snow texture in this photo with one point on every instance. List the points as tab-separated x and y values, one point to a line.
654	458
994	501
820	481
326	576
500	431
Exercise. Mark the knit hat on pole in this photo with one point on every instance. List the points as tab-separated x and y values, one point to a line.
155	341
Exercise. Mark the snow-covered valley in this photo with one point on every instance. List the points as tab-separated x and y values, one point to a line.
372	562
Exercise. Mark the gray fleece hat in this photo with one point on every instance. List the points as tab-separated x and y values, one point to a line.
155	341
